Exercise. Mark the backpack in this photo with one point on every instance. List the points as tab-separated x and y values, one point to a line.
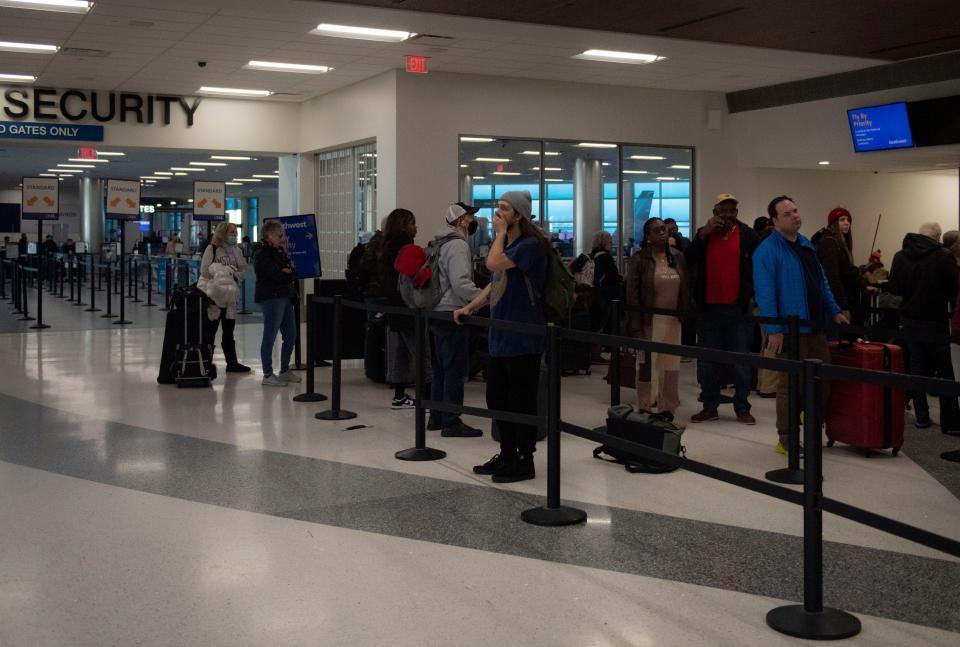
558	291
354	272
428	294
583	269
651	429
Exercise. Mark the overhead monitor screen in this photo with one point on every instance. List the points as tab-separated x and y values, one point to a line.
880	128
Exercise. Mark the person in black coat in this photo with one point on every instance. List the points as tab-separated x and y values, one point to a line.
276	291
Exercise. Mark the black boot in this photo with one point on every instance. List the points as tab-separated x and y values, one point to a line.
230	353
519	469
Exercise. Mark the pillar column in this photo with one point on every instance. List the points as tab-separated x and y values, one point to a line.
91	208
587	203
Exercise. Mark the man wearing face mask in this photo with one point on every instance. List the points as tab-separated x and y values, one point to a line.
451	361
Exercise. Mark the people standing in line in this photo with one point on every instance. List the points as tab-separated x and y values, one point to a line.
657	278
23	245
518	261
607	281
789	280
276	292
720	259
174	245
50	247
925	274
451	359
834	245
763	227
223	249
674	237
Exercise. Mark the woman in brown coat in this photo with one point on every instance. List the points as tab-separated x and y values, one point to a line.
657	278
834	245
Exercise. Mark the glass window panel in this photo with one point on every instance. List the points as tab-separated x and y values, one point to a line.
675	190
676	208
482	192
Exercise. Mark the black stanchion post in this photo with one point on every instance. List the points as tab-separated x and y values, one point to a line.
149	303
100	276
15	286
77	266
297	364
62	272
420	451
553	514
168	286
69	271
122	321
335	412
93	283
24	306
812	620
791	474
243	298
615	329
109	314
311	395
39	325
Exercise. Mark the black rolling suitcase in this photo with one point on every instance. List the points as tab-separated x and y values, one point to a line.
575	355
187	356
375	350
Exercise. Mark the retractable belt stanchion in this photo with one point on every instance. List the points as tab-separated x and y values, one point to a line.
149	303
135	271
616	328
100	276
553	514
243	301
109	314
420	451
62	278
812	620
77	266
297	364
93	292
39	325
122	321
335	412
311	395
168	284
15	287
24	306
792	474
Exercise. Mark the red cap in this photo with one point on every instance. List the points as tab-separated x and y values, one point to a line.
837	214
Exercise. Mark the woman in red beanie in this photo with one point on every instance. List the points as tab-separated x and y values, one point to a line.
834	245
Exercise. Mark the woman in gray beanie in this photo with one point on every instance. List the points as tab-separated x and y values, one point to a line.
518	261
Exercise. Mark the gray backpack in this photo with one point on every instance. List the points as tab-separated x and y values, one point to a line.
429	295
644	428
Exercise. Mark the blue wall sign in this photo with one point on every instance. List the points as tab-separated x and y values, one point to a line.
880	128
302	244
60	132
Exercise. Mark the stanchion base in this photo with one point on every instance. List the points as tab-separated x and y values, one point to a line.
135	300
562	516
424	454
108	316
121	322
149	305
27	319
310	397
92	310
76	305
829	624
339	414
39	327
785	475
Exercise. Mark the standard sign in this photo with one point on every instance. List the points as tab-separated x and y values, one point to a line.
209	201
40	199
123	199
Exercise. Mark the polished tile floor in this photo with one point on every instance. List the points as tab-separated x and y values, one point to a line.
140	514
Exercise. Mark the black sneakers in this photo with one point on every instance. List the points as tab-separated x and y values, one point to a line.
520	469
461	430
490	467
433	423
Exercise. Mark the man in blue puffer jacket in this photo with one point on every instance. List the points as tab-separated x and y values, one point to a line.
789	280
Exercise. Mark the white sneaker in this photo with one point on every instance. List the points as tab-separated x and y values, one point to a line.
273	380
406	402
289	376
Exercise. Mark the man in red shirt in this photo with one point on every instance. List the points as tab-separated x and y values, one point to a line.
720	259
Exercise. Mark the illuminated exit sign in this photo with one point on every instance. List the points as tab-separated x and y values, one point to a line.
88	153
417	64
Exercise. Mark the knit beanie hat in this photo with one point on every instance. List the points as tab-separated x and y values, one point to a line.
521	202
837	214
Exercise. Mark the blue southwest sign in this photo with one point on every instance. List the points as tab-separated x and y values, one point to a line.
58	132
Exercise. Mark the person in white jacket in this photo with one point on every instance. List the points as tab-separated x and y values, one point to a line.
451	361
223	251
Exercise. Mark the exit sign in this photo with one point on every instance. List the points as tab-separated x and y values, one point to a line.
88	153
417	64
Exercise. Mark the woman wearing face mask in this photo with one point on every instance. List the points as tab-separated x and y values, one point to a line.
275	292
657	278
517	259
834	244
224	251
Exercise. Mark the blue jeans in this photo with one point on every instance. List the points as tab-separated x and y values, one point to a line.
723	327
451	364
277	316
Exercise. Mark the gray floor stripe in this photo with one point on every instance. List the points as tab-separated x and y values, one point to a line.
883	583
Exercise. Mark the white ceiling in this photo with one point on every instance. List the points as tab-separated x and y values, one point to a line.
154	47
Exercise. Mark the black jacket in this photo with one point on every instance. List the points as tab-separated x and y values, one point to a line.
696	257
842	274
925	275
272	281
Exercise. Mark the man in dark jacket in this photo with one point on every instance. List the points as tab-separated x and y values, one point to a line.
925	275
720	258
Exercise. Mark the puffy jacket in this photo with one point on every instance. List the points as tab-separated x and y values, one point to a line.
696	257
925	275
780	287
272	281
454	269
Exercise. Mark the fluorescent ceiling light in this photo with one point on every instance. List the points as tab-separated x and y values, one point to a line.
207	163
190	200
18	78
369	155
47	174
604	163
636	172
552	179
82	159
151	177
246	179
476	139
464	166
188	169
647	157
666	179
28	48
162	173
287	67
234	183
240	92
824	163
180	173
547	153
362	33
173	203
67	6
479	177
610	56
681	166
595	145
76	165
62	170
109	154
506	173
501	160
266	177
546	168
230	157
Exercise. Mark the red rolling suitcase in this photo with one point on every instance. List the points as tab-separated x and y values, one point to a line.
868	416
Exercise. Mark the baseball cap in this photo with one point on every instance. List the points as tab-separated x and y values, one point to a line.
457	210
723	197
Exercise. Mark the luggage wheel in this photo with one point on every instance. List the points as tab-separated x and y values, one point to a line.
830	442
896	450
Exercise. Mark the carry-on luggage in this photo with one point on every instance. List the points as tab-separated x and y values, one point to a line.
628	369
186	325
375	350
645	428
575	355
868	416
194	363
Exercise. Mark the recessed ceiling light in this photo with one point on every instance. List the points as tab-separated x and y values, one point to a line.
62	170
151	177
18	78
500	160
247	179
287	67
188	169
362	33
610	56
595	145
239	92
159	204
477	139
686	166
604	163
647	157
110	154
266	177
632	172
207	163
173	203
190	200
824	163
234	183
663	178
28	48
67	6
162	173
81	159
546	168
547	153
479	177
230	157
464	166
47	174
179	173
77	165
552	179
506	173
369	155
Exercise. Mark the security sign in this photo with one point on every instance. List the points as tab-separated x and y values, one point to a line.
40	199
123	199
209	201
